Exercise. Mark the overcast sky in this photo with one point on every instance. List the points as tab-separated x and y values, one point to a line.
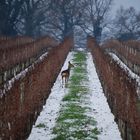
125	4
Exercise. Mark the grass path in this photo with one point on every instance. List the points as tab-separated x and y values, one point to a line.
75	120
78	112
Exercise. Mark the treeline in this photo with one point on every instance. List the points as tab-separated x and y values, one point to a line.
126	24
58	18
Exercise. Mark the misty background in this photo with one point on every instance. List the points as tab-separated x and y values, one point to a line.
126	4
103	19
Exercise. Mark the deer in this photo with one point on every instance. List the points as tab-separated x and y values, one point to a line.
66	73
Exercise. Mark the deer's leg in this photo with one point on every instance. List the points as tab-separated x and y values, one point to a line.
62	80
65	80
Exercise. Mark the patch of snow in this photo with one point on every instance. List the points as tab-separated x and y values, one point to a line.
80	49
102	113
50	110
128	70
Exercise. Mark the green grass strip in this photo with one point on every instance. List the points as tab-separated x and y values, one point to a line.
73	123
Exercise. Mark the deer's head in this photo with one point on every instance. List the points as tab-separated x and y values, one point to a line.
70	65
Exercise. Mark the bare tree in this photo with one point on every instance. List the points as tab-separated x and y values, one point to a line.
9	16
63	15
96	14
127	24
32	17
56	17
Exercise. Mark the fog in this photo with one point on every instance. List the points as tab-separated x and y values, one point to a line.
125	4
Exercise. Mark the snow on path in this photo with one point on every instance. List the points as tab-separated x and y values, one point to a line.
50	110
102	112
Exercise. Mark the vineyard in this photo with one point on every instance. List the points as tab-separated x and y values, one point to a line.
121	89
29	68
128	52
26	80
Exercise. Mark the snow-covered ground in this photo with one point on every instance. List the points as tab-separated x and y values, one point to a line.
102	112
99	105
